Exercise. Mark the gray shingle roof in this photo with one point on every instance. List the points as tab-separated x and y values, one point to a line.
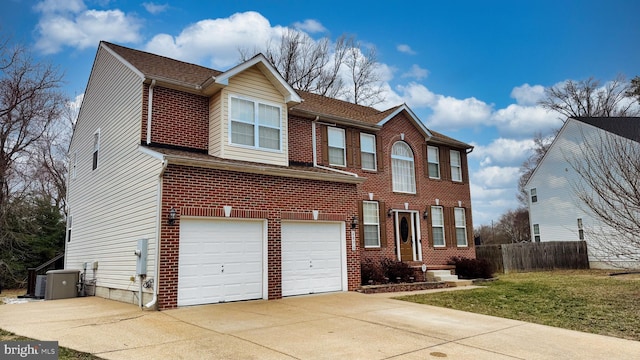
627	127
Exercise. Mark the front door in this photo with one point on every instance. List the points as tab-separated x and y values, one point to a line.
405	234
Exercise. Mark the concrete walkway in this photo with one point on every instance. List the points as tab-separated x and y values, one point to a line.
330	326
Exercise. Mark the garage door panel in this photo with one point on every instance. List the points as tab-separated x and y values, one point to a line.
311	257
220	260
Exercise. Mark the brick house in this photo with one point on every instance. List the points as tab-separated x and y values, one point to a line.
245	188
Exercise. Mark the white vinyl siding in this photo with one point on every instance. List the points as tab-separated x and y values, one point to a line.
433	160
251	85
402	168
337	147
461	227
371	223
437	225
112	211
368	151
456	165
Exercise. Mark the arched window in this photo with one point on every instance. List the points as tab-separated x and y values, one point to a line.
402	168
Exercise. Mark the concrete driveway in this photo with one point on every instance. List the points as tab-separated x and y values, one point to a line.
330	326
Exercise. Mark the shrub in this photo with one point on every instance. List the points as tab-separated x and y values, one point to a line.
471	268
371	273
396	271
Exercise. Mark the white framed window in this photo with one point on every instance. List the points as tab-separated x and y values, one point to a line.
69	227
534	195
254	124
456	165
536	232
371	222
580	229
74	164
461	227
96	149
433	161
437	225
402	168
368	151
337	146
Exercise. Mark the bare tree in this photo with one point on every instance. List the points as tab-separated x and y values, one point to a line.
318	66
608	187
634	90
514	225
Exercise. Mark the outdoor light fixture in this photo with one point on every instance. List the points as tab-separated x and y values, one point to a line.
354	222
172	216
390	212
426	214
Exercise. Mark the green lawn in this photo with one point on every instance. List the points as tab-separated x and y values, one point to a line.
588	301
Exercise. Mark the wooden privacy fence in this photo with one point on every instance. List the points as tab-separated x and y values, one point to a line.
524	257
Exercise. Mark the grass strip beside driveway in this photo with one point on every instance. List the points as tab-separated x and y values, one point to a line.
588	301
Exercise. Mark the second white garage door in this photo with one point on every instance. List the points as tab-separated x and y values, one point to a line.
313	258
220	260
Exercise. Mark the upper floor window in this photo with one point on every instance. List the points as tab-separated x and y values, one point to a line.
337	146
368	151
534	195
96	148
536	232
433	160
456	165
437	225
255	124
402	168
371	222
461	226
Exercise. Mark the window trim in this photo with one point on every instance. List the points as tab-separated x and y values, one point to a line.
437	162
413	169
459	166
464	226
375	155
256	124
95	154
343	148
536	232
441	226
377	223
533	193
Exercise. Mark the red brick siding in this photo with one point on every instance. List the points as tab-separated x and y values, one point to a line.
190	187
300	140
427	191
178	118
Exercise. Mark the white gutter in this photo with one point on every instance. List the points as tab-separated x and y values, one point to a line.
154	300
149	110
315	156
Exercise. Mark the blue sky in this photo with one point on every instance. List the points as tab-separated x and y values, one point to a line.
472	70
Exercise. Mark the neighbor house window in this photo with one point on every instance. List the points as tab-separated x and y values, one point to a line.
255	124
402	167
96	148
536	232
368	151
337	147
371	221
437	225
69	227
580	229
74	164
456	166
461	227
534	195
433	159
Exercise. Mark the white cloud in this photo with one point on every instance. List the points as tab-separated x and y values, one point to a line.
416	72
310	25
404	48
527	94
154	9
502	151
497	177
450	113
70	24
417	95
518	120
216	42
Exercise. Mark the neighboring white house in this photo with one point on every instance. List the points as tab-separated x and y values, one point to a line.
555	211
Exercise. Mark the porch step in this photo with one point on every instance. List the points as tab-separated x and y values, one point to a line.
441	275
458	283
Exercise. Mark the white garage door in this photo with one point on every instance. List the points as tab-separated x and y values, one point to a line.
312	258
220	260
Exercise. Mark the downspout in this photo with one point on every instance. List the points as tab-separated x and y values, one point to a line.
149	109
315	156
154	300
